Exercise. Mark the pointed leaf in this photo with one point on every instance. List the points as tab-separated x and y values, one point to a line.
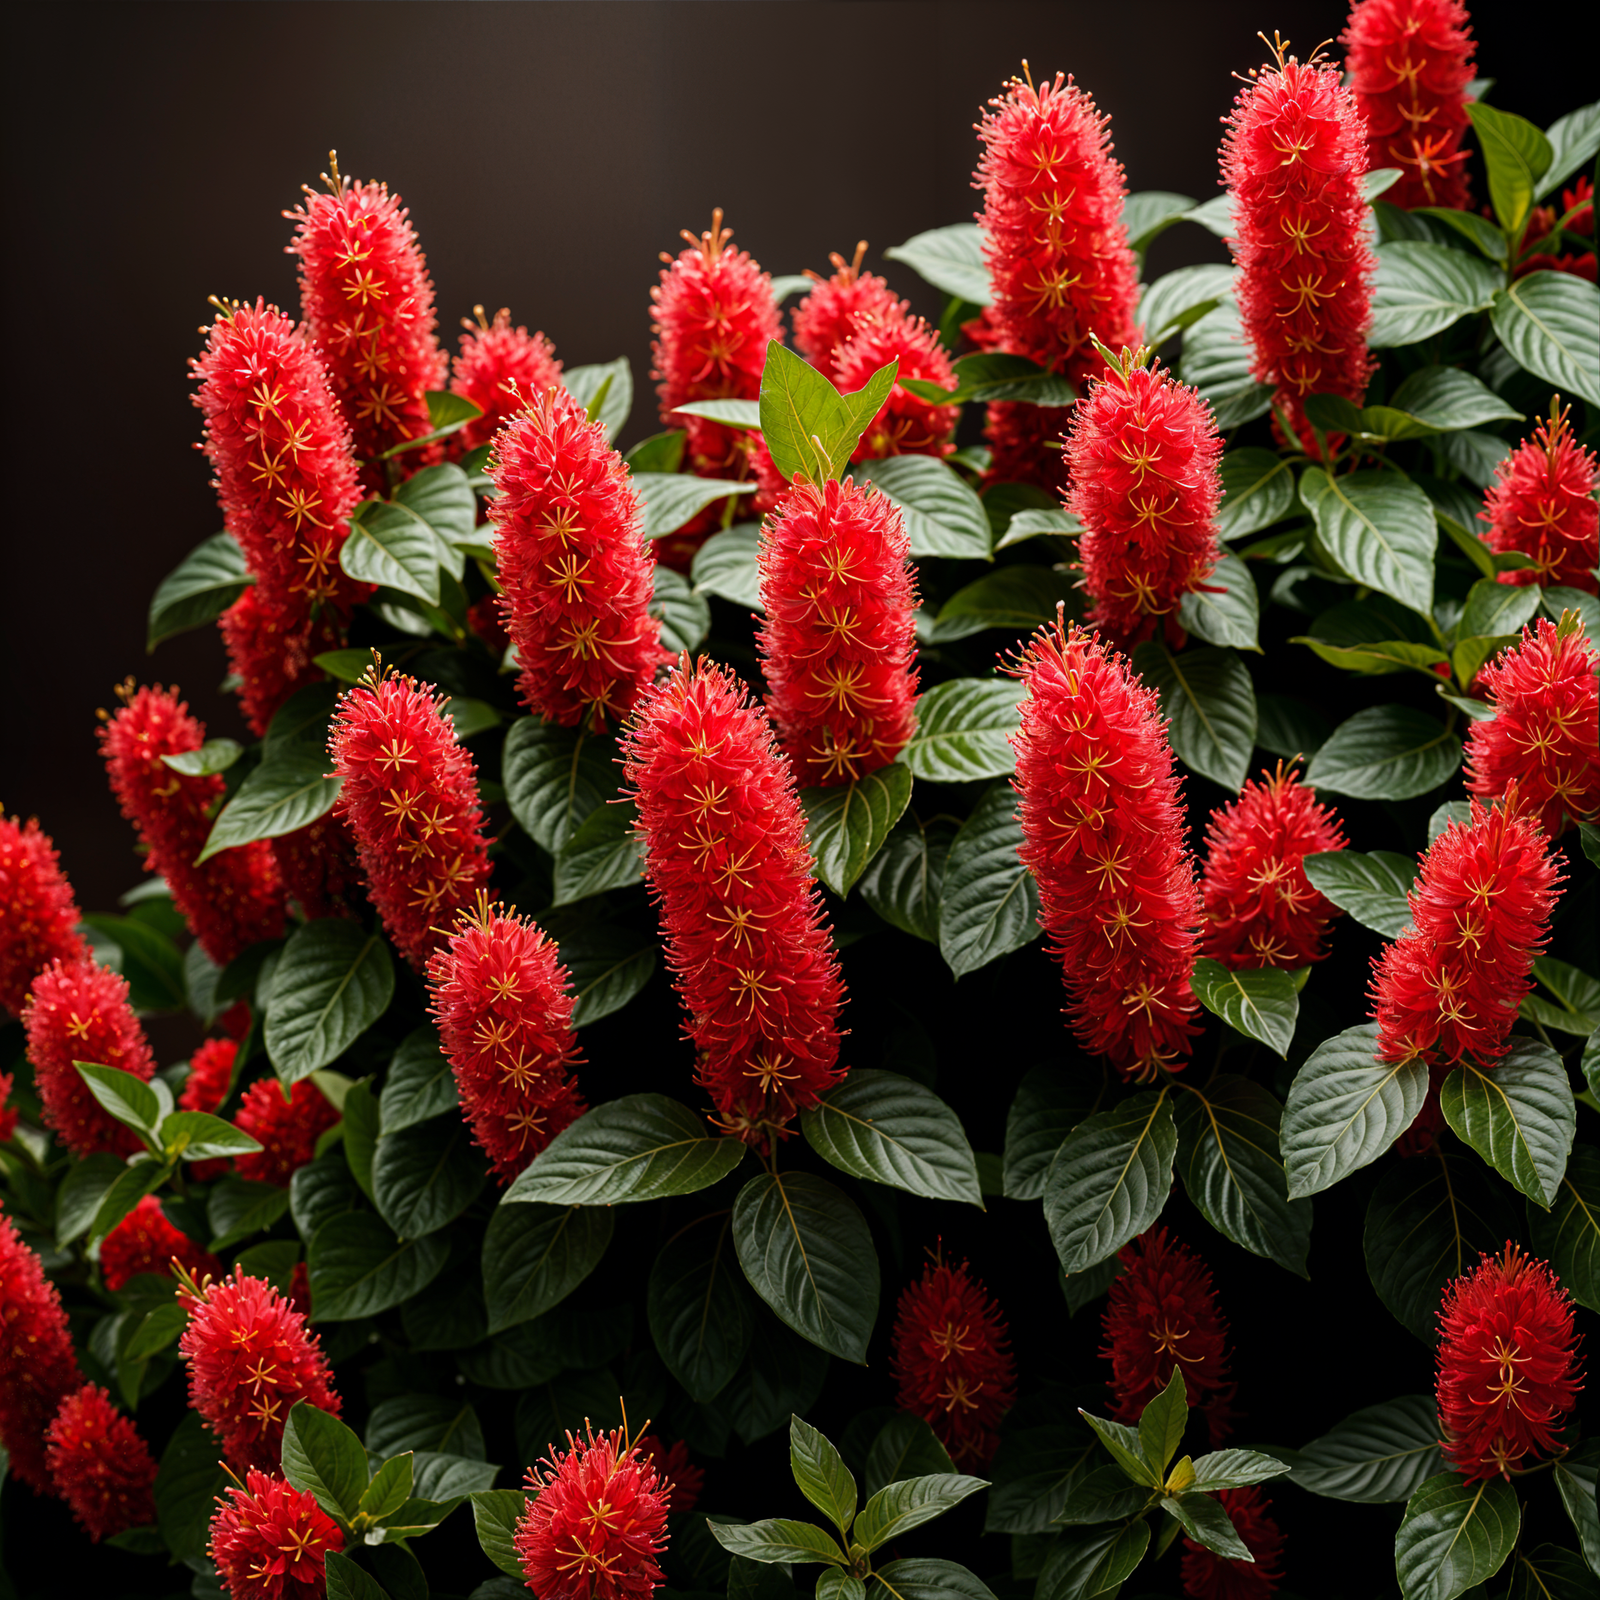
1048	1106
1423	288
323	1458
777	1539
809	427
610	382
990	904
555	777
534	1256
949	258
684	615
1575	1483
1516	154
671	499
700	1313
906	1447
904	881
726	565
1093	1561
846	824
608	967
128	1098
1162	1422
425	1176
495	1515
1520	1117
198	1136
1380	1453
442	496
1260	1003
1207	1522
964	729
1386	753
603	854
943	515
821	1475
419	1083
290	790
1227	611
1372	888
920	1578
1379	528
897	1508
1455	1535
1257	491
1127	1449
1210	706
392	546
1233	1469
331	984
730	413
198	590
1550	323
1568	1235
359	1268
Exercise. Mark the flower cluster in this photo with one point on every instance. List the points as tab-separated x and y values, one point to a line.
321	872
834	308
952	1361
410	796
1545	735
231	901
100	1465
838	643
1542	504
906	424
286	1127
1103	836
270	1541
726	858
1208	1576
1508	1364
573	567
1449	987
503	1005
1293	159
1142	456
145	1241
1259	907
38	915
681	1479
595	1523
251	1357
497	365
1410	62
206	1087
1542	253
38	1369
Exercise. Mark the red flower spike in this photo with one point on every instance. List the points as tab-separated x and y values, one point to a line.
270	644
100	1465
410	797
1509	1370
320	868
574	568
144	1241
713	318
210	1073
1410	62
1260	908
368	304
681	1480
952	1361
1545	736
1161	1311
235	899
1142	458
835	308
38	1369
838	643
497	364
270	1541
1208	1576
906	424
1103	835
1542	504
726	859
1293	158
38	915
286	1130
595	1523
503	1004
1448	988
79	1011
1025	445
251	1357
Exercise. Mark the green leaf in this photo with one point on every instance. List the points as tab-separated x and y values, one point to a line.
888	1129
777	1539
920	1578
1379	528
684	615
1207	1522
1210	706
1031	524
442	496
1126	1447
332	983
1520	1116
1558	600
1573	140
82	1189
949	258
847	824
1048	1106
1017	598
904	881
1233	1469
198	590
419	1083
1380	1453
1497	608
215	755
611	383
1421	289
671	499
726	565
1345	1108
326	1188
1110	1179
942	514
1455	1535
495	1515
130	1187
555	777
1150	213
809	427
1446	399
127	1098
640	1147
1104	1495
1550	1573
821	1475
427	1423
157	1332
603	854
906	1447
238	1208
347	1581
1093	1561
1179	298
359	1268
362	1121
198	1136
963	731
1162	1422
1516	154
897	1508
1216	360
1257	490
391	545
187	1487
990	903
1228	610
425	1176
1232	1167
608	966
150	962
807	1251
1577	1007
1568	1235
1372	888
700	1317
1261	1003
534	1256
323	1458
1550	323
1575	1483
730	413
1385	753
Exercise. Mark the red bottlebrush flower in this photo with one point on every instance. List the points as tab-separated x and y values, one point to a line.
574	569
595	1523
206	1087
270	1541
1410	62
838	644
286	1130
1449	986
410	797
38	1369
714	317
100	1466
681	1479
270	647
906	424
321	872
1103	835
1579	202
1545	736
497	364
952	1361
79	1011
726	858
503	1004
1025	445
1260	908
1208	1576
251	1357
231	901
1509	1369
8	1114
1161	1307
38	915
1294	156
144	1241
1142	457
835	308
1542	504
368	304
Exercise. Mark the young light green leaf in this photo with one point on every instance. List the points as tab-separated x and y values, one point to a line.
1517	155
198	1136
215	755
821	1474
731	413
809	427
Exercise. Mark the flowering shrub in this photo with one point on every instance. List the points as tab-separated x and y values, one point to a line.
872	921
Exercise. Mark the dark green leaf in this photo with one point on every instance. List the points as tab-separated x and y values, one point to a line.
942	514
495	1515
1126	1449
323	1458
81	1192
725	565
424	1423
1379	528
291	789
1032	524
608	966
1104	1495
1162	1422
672	499
1261	1003
821	1475
555	777
897	1508
322	1190
1257	490
963	731
215	755
1048	1106
777	1539
363	1118
1385	753
392	546
1093	1561
332	983
1227	611
1577	1007
198	590
611	383
1575	1483
1018	598
442	496
239	1208
949	258
1233	1469
904	881
1550	323
1422	288
198	1136
187	1486
157	1332
699	1314
1380	1453
127	1098
419	1083
359	1268
425	1176
1150	213
1289	728
1207	1522
920	1578
783	1374
130	1187
1448	399
1455	1535
1550	1573
347	1581
847	824
1372	888
1177	299
1520	1117
906	1447
990	903
998	375
684	615
1568	1235
1210	706
534	1256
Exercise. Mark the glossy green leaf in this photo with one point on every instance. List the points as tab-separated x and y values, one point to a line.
1422	288
323	1458
291	789
1568	1235
188	1484
1377	1454
1388	752
1233	1469
128	1098
821	1475
150	962
809	427
442	496
358	1267
1496	608
425	1176
1575	1482
198	1136
906	1447
1550	1573
685	616
198	590
777	1539
1032	524
1150	213
1516	154
392	546
671	499
904	881
1093	1561
1162	1422
555	777
897	1508
942	514
1446	399
419	1083
1574	140
609	382
1104	1495
1227	611
1257	490
82	1189
725	565
700	1313
1207	1522
238	1208
1455	1535
215	755
730	413
1379	528
1261	1003
990	904
1550	323
425	1423
608	967
921	1578
332	982
1520	1117
495	1515
1049	1104
1126	1448
1210	706
534	1256
949	258
847	823
603	854
1017	598
1179	298
1371	888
